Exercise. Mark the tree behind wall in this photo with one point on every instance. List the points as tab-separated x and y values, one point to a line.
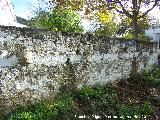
133	9
65	20
107	28
126	27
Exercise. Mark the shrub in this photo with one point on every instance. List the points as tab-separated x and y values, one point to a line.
90	100
97	100
60	108
152	75
132	110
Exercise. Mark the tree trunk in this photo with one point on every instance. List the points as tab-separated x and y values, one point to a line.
135	28
134	18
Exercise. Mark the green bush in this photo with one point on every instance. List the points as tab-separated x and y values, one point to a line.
60	108
96	92
132	110
97	100
152	75
90	100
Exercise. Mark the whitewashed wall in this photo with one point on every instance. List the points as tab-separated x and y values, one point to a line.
38	60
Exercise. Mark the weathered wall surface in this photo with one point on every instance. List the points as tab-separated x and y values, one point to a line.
58	58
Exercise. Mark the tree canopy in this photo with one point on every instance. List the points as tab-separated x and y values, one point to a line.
126	27
65	20
106	27
133	9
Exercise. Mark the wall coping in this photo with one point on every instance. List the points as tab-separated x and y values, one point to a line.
37	31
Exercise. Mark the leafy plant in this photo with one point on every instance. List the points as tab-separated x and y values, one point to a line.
92	100
132	110
97	100
61	107
152	75
65	20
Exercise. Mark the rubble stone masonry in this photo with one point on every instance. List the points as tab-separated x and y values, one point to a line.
39	62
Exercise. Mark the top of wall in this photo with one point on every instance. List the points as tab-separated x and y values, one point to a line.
42	33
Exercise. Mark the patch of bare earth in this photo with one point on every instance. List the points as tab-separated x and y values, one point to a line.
138	91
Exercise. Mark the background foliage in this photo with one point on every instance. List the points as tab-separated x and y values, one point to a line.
65	20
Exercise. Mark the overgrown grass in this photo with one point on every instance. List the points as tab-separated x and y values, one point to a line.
129	99
61	107
152	75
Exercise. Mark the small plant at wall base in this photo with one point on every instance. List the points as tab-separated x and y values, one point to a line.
134	111
152	75
58	109
98	100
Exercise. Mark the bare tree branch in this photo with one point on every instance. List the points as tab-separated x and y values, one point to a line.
148	10
124	10
139	5
121	12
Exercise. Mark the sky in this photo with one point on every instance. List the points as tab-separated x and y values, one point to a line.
25	8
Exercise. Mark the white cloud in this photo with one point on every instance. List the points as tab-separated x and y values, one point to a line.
27	11
27	14
155	13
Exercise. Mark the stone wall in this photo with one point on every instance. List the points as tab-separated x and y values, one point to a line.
39	62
